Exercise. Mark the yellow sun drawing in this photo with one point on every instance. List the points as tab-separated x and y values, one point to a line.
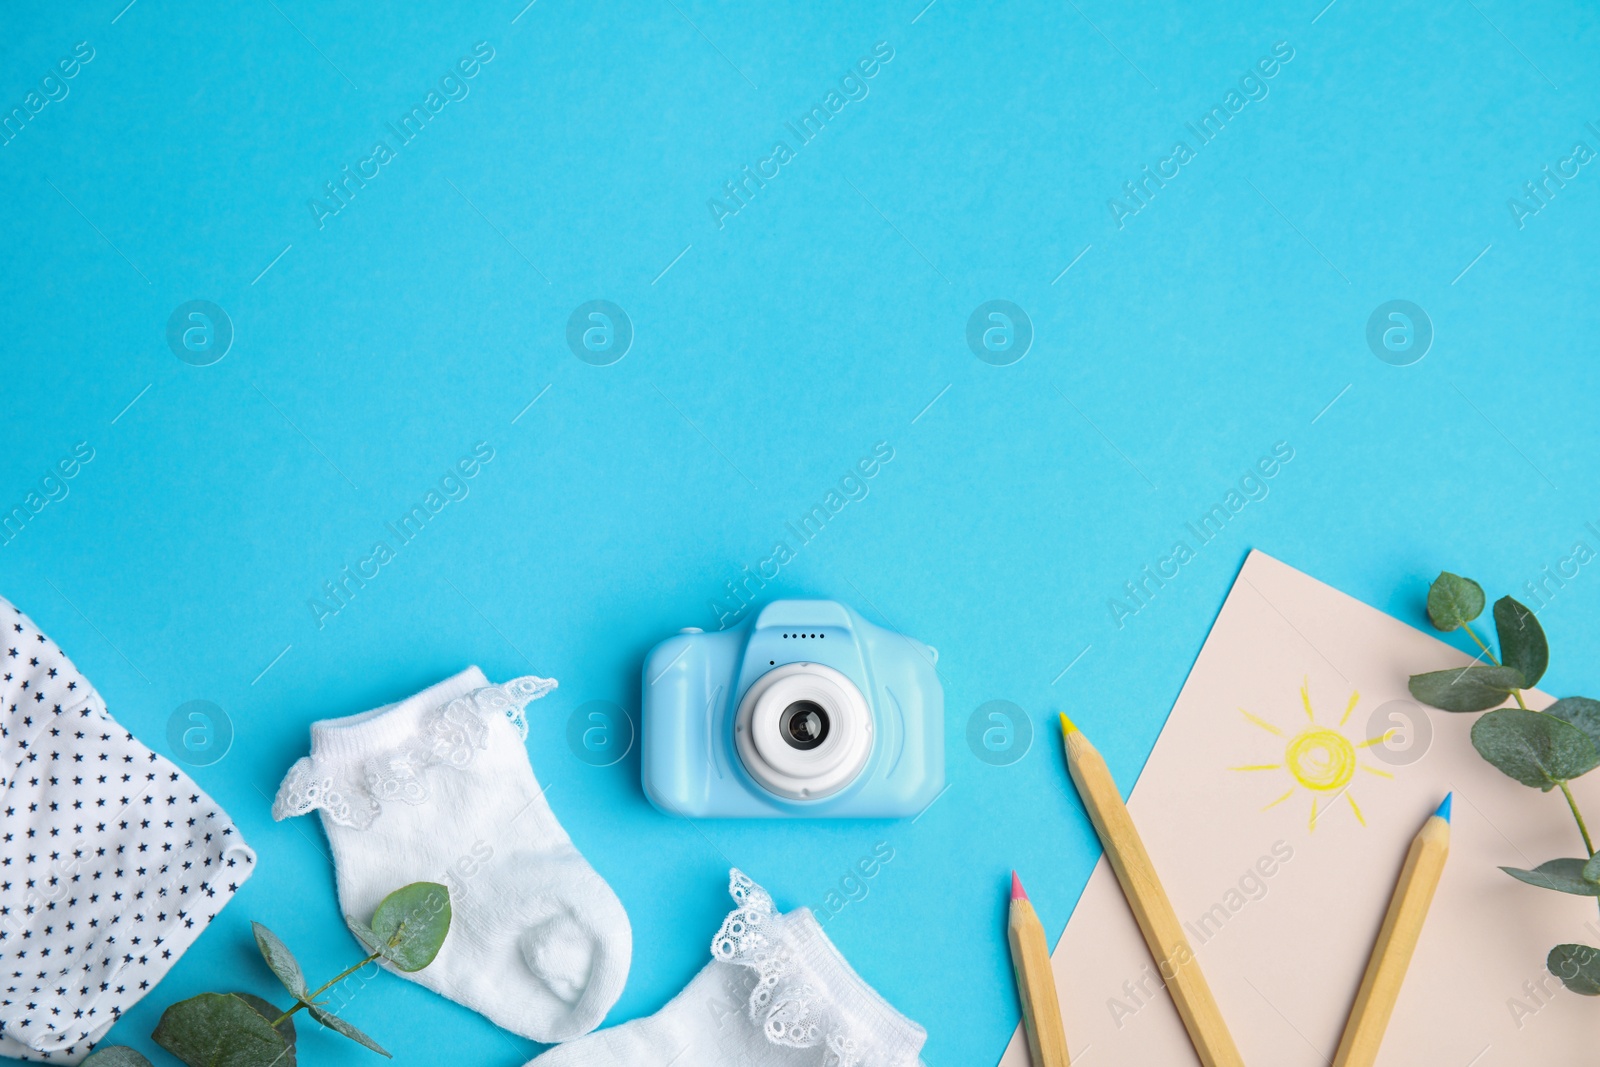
1319	758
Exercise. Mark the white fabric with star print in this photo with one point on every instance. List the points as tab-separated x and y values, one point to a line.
112	861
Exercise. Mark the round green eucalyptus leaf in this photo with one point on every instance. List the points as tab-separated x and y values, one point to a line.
1537	750
222	1030
269	1012
1578	967
1454	601
1522	643
1475	688
410	924
1563	876
115	1056
1580	712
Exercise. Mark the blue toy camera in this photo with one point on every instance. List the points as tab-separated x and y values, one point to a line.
806	711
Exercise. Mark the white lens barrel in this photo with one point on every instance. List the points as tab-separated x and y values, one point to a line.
795	773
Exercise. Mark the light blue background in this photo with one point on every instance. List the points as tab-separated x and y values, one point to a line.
825	316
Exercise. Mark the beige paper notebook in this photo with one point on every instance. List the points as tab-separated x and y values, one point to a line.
1283	871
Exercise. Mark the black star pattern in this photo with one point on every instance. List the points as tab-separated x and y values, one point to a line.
72	961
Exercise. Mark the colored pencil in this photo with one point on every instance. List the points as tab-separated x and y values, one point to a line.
1397	940
1036	982
1148	900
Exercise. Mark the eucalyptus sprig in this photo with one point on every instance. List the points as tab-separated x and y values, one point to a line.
243	1030
1543	749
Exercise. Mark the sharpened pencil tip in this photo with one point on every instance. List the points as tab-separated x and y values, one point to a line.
1017	892
1067	726
1444	807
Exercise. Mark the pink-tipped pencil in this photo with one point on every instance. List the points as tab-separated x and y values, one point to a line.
1036	982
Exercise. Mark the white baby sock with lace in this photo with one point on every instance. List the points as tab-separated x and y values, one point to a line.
776	994
438	788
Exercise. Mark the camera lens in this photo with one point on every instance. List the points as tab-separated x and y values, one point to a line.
803	731
804	724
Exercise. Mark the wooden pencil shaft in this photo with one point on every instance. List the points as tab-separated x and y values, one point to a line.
1036	987
1151	909
1392	951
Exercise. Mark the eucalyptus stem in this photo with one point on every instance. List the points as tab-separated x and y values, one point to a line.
1479	642
353	968
1577	815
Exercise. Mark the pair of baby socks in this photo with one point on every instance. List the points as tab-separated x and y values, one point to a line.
438	788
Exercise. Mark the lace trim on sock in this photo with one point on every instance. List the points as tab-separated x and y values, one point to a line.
788	1008
353	793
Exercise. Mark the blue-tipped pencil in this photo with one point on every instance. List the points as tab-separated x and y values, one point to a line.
1397	940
